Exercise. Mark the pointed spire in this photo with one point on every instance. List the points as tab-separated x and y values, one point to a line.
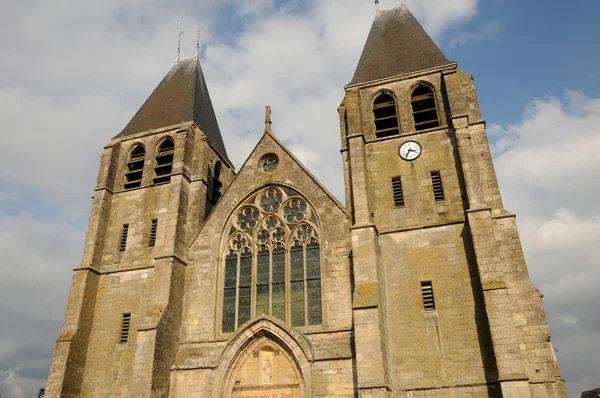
397	45
181	97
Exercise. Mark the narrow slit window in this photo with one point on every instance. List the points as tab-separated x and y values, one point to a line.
313	283
164	161
428	300
297	284
125	325
245	287
385	116
216	183
438	189
424	108
397	190
153	229
124	233
230	292
135	168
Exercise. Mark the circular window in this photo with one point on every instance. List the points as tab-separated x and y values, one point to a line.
269	162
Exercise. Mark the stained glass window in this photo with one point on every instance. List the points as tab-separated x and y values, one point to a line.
273	261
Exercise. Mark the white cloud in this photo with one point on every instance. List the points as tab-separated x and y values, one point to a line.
485	32
548	170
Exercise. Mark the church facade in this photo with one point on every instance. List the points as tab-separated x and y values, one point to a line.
197	281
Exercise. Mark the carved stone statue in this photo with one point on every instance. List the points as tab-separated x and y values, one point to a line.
268	115
267	369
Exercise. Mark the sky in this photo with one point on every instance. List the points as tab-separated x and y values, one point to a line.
74	72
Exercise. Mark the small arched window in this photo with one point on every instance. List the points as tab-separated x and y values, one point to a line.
424	108
135	168
164	161
216	183
386	116
273	261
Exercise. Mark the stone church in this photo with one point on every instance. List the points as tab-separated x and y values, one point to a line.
200	281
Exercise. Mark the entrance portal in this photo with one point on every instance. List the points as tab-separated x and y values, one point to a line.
267	373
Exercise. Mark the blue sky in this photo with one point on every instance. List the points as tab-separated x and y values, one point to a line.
74	72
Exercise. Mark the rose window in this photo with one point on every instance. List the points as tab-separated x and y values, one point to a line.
278	234
295	211
304	232
262	237
271	200
272	222
270	164
239	242
248	218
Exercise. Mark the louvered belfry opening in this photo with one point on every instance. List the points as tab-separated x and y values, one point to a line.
124	233
428	300
153	229
424	108
438	189
125	325
397	190
135	168
386	116
164	161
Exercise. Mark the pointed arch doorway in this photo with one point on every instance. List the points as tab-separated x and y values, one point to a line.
265	361
267	372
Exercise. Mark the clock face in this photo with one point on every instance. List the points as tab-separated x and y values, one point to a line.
410	150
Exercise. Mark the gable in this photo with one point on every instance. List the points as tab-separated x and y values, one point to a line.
289	172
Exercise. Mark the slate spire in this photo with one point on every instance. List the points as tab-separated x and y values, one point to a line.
182	96
397	44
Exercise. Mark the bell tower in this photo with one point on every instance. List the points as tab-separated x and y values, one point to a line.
442	298
159	180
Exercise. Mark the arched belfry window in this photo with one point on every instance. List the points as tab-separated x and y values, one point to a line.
135	167
164	161
385	116
272	261
424	108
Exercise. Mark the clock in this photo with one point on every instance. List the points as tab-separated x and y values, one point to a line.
410	150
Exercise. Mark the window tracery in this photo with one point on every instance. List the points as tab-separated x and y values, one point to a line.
273	261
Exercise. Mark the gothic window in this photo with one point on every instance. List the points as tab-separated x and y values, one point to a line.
216	183
385	116
273	261
424	108
164	161
135	168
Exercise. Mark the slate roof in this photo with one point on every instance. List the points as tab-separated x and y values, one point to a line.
182	96
397	44
591	394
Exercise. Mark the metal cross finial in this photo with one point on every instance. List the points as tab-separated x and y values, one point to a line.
377	4
179	45
198	42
